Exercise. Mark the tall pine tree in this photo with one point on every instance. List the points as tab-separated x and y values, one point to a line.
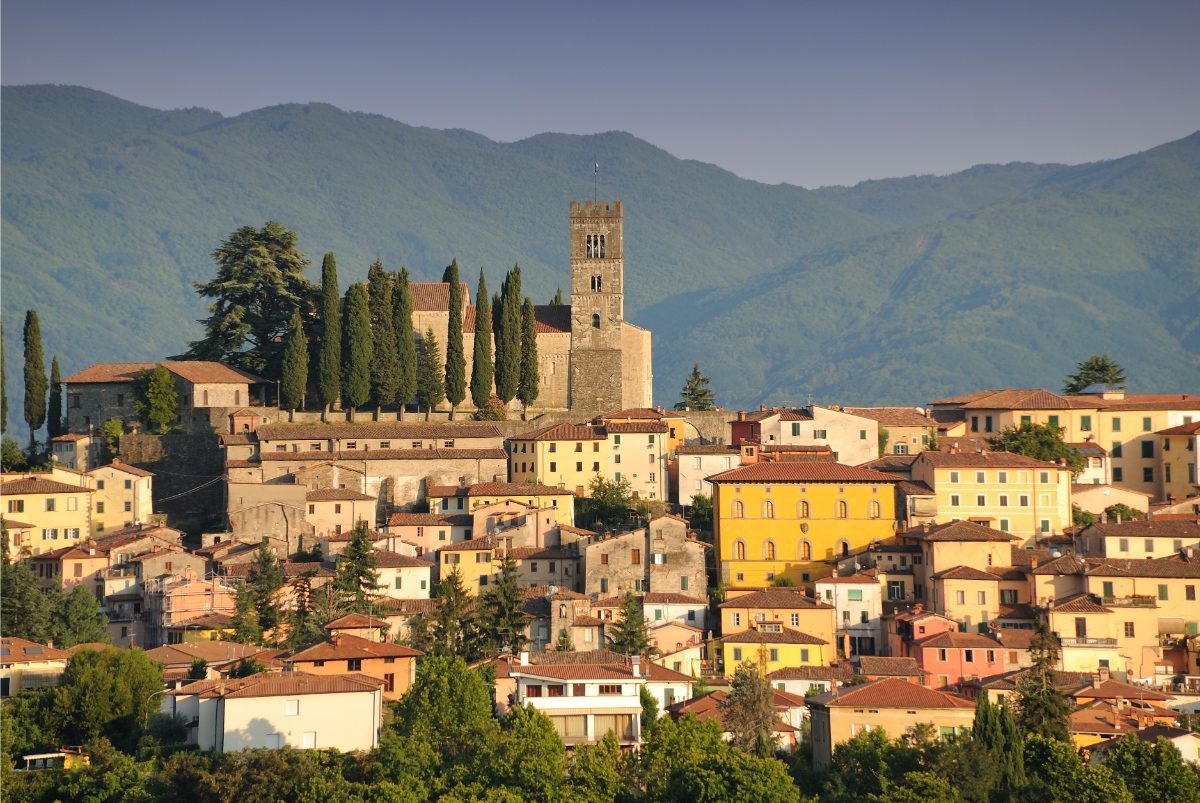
356	348
35	378
482	369
502	618
430	390
55	425
329	361
384	362
295	366
456	364
508	337
406	341
527	389
356	571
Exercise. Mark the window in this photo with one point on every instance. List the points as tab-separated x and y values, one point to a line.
980	500
738	509
769	550
604	559
1189	593
1129	630
16	505
854	595
596	467
1054	421
819	434
739	550
795	429
1147	424
1116	449
595	320
991	656
1118	474
1148	448
603	585
554	467
737	653
128	506
843	511
941	655
1004	525
1003	500
980	477
579	466
805	550
533	690
954	500
1148	545
683	586
768	510
1045	525
981	597
1148	474
737	620
795	620
987	423
291	708
953	476
1080	627
803	509
969	656
50	505
1008	596
1085	423
1162	592
974	423
1024	500
901	448
862	434
875	510
960	597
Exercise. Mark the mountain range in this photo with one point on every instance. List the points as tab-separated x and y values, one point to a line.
892	291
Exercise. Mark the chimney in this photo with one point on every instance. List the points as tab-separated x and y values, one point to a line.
741	415
524	657
636	665
762	408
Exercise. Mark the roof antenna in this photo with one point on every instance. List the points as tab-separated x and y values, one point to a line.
596	183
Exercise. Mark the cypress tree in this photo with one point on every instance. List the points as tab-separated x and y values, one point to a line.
508	337
35	378
384	361
356	345
54	414
329	362
295	366
557	301
482	370
456	366
406	344
527	390
430	390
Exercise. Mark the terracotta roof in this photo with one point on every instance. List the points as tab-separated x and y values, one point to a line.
1081	603
1183	429
337	495
194	371
515	489
379	429
433	296
405	607
13	524
15	650
128	469
280	684
40	485
858	578
355	621
1016	638
1020	610
956	640
1006	572
984	460
964	573
209	621
1112	689
914	488
237	438
1149	735
386	559
890	693
586	621
566	528
670	598
79	550
955	531
359	455
563	432
708	448
290	569
636	414
1149	567
542	553
783	636
471	545
1186	529
708	707
1088	449
70	437
774	598
899	463
345	647
635	427
552	318
839	673
800	472
417	519
892	416
591	670
214	652
1066	564
889	666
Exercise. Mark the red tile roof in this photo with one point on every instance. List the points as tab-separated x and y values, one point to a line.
708	448
1081	603
636	427
563	432
1187	529
417	520
514	489
889	693
345	647
670	598
984	460
774	598
1183	429
959	531
964	573
357	456
888	666
280	684
433	296
839	673
394	560
337	495
1112	689
800	472
34	484
956	640
892	416
195	371
782	636
15	650
356	621
379	429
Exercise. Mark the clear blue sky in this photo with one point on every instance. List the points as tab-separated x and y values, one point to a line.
807	93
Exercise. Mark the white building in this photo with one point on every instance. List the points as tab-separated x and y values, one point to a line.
403	577
858	606
274	710
662	607
697	462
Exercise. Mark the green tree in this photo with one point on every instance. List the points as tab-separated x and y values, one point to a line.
55	422
199	670
246	667
696	393
35	378
529	758
356	348
110	433
1123	512
303	627
76	618
430	389
527	387
264	579
1098	369
246	629
455	627
557	301
1042	709
649	710
406	344
1057	773
884	437
749	711
1081	517
456	361
385	361
295	366
109	693
502	615
628	634
564	643
595	771
1153	771
356	572
260	281
1039	441
329	359
507	324
482	369
155	398
608	501
25	610
12	456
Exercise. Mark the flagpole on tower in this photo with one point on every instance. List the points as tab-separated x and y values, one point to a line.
596	184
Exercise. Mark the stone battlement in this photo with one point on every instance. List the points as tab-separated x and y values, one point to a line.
596	209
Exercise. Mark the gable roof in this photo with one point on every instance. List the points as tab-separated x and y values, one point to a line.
953	639
1183	429
563	432
118	465
889	666
214	652
892	416
806	471
345	647
34	484
355	621
386	559
985	459
964	573
514	489
337	495
279	684
889	693
14	650
1185	529
774	598
958	531
670	598
1079	603
784	635
198	372
379	429
1112	689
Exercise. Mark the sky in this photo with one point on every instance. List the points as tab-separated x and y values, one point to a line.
806	93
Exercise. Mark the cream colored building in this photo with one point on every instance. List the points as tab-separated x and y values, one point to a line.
853	439
59	513
339	510
123	496
699	462
909	430
570	456
1177	450
28	665
466	498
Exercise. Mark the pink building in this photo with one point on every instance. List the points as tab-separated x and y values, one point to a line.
173	599
906	628
950	658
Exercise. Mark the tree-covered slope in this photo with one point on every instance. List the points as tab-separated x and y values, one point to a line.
891	290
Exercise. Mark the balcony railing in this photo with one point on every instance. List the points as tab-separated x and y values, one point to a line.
1138	601
1088	642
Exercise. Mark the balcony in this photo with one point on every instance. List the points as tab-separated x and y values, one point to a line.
1083	641
1137	601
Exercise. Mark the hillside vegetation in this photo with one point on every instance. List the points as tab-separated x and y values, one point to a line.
895	290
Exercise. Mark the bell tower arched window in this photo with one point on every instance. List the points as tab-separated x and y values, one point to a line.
594	246
596	320
597	283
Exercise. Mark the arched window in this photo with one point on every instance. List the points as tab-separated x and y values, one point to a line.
804	509
739	550
805	550
769	550
844	549
596	320
739	510
768	510
843	510
874	510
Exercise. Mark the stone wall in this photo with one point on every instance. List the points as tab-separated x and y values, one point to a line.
182	464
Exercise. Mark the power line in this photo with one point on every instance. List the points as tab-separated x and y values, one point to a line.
191	491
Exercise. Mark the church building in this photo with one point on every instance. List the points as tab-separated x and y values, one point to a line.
590	358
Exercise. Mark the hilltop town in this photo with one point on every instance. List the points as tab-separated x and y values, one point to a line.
292	545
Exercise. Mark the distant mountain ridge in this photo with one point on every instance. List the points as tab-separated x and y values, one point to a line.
896	290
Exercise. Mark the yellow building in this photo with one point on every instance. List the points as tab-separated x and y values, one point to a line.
1177	448
789	607
59	513
791	520
675	422
564	456
476	562
466	498
1005	491
123	497
909	431
770	646
1124	424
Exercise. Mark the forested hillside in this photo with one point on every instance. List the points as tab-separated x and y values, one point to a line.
888	291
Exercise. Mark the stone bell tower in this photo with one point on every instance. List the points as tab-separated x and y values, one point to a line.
597	305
